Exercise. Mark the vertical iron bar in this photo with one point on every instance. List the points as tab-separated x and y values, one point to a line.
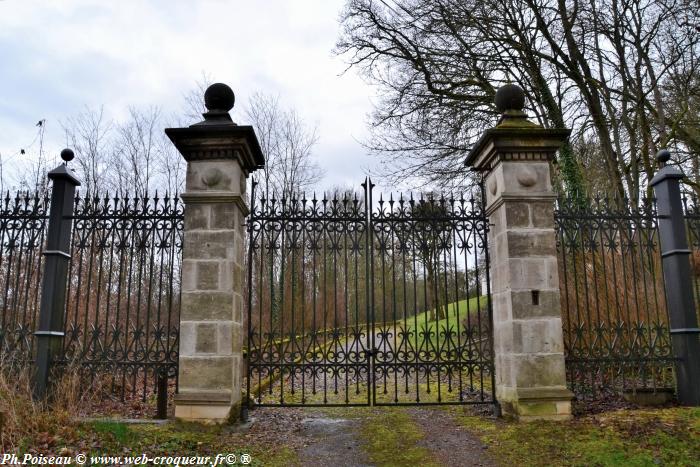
346	350
280	309
456	218
304	358
245	409
369	290
162	402
293	344
392	264
405	340
324	296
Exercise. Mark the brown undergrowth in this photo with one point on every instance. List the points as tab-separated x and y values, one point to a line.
29	424
24	420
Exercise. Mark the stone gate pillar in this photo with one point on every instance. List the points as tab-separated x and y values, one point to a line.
220	155
527	330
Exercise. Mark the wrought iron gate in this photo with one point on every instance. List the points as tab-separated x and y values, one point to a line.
357	301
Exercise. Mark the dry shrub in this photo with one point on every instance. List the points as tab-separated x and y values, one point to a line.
111	395
30	424
25	420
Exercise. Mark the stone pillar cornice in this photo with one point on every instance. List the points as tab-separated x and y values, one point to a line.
220	141
515	143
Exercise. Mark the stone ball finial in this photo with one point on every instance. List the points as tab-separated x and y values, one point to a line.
67	155
663	156
510	97
219	97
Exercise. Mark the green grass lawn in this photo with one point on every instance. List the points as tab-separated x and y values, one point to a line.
643	437
624	438
455	312
433	329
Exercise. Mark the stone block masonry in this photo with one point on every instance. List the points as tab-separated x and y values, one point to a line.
528	338
220	155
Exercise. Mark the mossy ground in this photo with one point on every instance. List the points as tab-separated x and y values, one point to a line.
621	438
179	439
390	437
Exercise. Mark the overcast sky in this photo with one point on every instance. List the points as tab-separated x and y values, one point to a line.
56	57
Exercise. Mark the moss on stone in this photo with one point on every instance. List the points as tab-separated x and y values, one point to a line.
234	415
537	408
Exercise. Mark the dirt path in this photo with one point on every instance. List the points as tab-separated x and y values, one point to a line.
450	443
332	442
328	438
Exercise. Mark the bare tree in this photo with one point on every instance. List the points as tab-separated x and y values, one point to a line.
134	157
193	107
681	93
130	157
285	138
30	165
595	66
89	134
135	151
287	142
169	166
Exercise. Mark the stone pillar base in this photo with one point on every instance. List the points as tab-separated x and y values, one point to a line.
530	404
206	407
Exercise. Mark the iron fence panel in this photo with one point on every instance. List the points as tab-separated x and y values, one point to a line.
23	227
616	332
123	292
123	295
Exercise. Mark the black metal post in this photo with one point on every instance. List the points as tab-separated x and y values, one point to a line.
162	402
685	335
49	332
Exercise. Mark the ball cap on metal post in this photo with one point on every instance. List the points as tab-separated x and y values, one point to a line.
67	155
